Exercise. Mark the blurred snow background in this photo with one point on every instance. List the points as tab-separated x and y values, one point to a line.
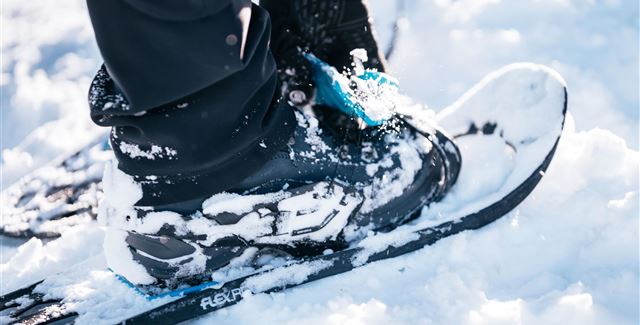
568	255
450	44
48	58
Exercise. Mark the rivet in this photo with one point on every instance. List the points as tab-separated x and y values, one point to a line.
231	39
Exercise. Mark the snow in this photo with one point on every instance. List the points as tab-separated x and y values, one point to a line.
392	183
120	260
285	276
36	259
120	189
85	167
48	58
307	121
568	254
326	206
359	57
380	242
373	96
525	101
235	203
134	151
593	44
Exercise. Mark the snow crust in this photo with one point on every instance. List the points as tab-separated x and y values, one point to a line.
285	276
236	203
325	206
568	254
134	151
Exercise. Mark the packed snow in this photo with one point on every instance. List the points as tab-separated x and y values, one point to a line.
322	205
568	254
285	276
134	151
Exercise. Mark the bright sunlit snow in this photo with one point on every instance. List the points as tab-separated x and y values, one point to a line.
568	255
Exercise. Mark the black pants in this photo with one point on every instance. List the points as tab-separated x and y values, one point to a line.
189	88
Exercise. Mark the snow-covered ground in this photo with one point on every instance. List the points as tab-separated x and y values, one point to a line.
450	44
569	254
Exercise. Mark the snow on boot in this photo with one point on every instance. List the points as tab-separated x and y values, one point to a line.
323	191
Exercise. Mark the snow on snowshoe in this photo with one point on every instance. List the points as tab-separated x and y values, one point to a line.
522	132
517	111
504	127
57	196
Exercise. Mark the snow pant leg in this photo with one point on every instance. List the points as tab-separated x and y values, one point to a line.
187	88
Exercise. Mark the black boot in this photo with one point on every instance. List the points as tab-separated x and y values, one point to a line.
325	190
331	184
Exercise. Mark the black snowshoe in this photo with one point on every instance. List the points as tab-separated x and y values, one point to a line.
518	110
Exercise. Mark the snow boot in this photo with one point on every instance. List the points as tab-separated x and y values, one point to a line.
322	192
331	185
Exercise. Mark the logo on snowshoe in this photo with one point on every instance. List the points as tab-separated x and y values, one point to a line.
220	299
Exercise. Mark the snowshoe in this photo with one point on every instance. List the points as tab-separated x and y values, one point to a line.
508	127
56	197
